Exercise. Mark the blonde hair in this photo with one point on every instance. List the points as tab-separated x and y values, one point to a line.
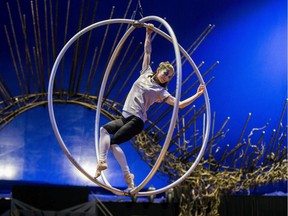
166	65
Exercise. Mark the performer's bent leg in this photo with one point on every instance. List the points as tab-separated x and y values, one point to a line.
121	158
133	125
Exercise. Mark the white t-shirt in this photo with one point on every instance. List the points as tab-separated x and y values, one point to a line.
144	92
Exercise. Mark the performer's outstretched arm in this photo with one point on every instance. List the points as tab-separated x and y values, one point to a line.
182	104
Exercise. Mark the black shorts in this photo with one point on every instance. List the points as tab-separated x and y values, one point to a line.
124	129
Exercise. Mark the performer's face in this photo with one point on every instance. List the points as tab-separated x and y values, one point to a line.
164	75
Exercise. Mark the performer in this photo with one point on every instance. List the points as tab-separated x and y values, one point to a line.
150	87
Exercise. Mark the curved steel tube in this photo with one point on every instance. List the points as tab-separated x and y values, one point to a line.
101	93
176	106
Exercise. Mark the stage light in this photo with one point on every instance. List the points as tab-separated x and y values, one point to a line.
7	171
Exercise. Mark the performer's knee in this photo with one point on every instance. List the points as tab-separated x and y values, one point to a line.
103	131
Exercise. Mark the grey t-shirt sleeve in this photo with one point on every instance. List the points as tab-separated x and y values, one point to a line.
165	94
